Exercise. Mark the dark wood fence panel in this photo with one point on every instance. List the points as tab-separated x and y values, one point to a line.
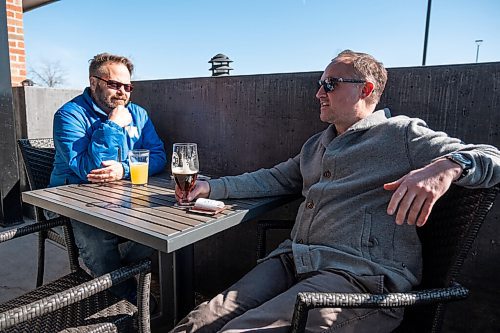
240	123
462	100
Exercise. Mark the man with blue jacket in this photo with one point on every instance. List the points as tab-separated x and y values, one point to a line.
92	135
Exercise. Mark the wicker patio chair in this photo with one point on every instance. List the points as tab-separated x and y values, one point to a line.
446	239
77	302
38	156
263	226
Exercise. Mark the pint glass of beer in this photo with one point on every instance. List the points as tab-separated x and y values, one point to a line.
138	160
185	168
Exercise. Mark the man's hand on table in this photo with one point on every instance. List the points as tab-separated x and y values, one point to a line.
416	193
111	170
201	189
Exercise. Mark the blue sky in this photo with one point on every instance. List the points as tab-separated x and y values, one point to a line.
175	39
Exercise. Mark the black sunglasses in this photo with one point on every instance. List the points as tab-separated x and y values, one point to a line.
115	85
329	83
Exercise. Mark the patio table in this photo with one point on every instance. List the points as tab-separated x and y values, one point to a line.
146	214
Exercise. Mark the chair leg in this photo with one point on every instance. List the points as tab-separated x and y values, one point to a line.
437	323
69	239
261	241
300	314
143	294
42	236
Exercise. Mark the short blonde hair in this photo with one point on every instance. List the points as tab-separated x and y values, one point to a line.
366	67
97	63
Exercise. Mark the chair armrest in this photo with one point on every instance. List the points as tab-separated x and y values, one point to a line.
32	228
94	328
310	300
72	295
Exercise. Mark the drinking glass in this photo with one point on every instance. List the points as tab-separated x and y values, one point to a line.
138	160
185	168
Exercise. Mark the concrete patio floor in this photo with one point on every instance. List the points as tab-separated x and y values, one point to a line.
18	266
18	269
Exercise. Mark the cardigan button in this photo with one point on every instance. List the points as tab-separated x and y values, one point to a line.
310	205
327	174
300	241
372	241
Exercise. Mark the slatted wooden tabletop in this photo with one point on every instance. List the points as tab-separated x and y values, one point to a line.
145	214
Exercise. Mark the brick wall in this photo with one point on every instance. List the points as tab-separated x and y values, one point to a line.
16	41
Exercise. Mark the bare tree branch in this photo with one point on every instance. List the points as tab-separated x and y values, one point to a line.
49	73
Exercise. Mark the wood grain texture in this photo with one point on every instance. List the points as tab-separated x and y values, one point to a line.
146	214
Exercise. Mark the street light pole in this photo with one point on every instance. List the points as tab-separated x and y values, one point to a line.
426	36
478	43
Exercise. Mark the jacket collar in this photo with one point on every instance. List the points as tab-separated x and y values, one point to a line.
92	104
376	118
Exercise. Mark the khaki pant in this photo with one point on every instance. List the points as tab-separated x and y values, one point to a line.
263	301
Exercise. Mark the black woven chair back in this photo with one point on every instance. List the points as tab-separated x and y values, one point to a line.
38	156
446	240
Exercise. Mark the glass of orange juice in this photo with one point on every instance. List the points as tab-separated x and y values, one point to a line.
138	160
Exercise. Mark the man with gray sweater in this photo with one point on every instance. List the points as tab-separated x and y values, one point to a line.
368	181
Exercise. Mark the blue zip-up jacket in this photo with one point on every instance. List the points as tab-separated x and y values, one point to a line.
84	137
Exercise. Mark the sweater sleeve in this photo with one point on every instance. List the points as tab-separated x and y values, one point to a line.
284	178
425	145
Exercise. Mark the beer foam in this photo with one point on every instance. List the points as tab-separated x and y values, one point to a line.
184	170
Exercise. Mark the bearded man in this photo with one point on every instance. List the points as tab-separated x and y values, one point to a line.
93	134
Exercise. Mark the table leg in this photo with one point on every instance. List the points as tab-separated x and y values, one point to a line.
176	286
184	271
165	318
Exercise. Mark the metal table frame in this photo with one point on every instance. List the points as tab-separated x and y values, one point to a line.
147	215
